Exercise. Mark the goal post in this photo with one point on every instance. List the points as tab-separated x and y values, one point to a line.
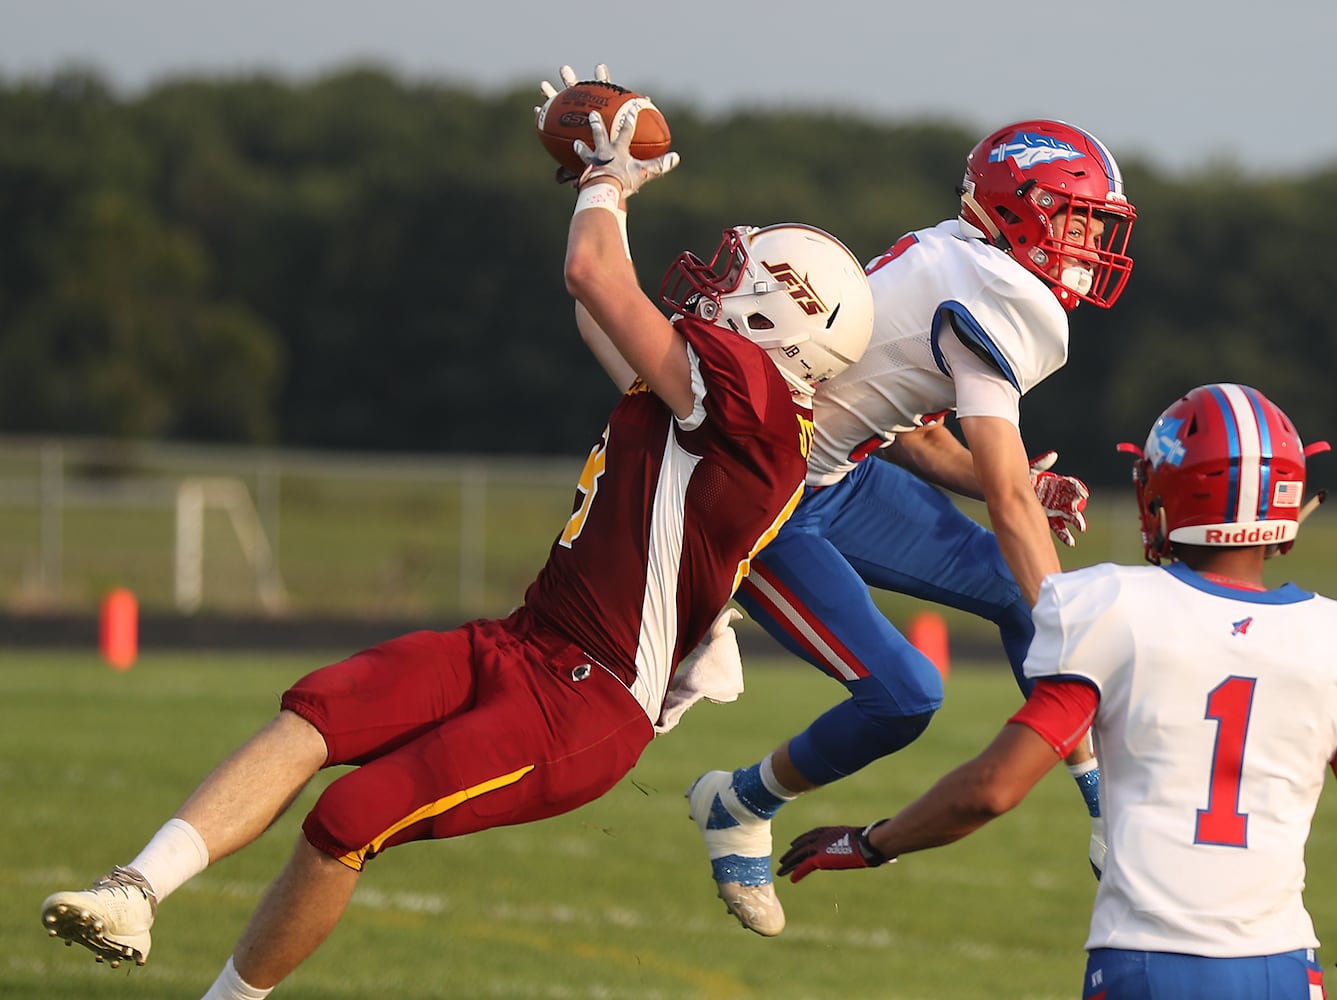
195	496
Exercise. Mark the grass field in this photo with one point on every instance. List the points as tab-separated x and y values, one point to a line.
612	901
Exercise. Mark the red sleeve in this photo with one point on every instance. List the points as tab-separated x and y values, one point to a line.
1060	711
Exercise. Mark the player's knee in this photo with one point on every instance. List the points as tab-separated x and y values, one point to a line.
909	687
900	731
337	826
1015	617
844	740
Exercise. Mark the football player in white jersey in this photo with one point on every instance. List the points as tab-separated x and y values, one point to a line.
1215	733
970	315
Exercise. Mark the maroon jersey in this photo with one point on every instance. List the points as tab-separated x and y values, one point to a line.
669	512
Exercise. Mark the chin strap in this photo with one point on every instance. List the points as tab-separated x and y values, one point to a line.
1310	505
994	235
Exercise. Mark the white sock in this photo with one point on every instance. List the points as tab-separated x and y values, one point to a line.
174	855
772	783
230	986
1085	767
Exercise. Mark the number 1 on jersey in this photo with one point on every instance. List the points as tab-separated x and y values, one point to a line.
1229	703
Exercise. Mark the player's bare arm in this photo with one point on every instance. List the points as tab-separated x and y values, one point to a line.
958	804
976	792
599	272
1002	468
934	454
602	279
557	123
608	356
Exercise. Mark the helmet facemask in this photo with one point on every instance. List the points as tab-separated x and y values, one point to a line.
712	291
1091	269
792	290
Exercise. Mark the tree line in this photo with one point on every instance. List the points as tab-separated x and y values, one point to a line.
361	262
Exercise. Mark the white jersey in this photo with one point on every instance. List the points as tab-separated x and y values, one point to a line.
1000	311
1216	724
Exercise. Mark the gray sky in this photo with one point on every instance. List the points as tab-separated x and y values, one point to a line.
1180	82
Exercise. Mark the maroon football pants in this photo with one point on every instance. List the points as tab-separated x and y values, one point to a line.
491	724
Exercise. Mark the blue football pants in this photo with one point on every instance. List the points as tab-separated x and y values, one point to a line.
881	527
1115	974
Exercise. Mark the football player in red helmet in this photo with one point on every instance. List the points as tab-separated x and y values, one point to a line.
1213	701
970	315
1223	466
1052	196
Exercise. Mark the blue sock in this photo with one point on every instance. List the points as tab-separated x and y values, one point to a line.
754	794
1088	782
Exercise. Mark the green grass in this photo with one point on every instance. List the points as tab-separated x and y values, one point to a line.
611	901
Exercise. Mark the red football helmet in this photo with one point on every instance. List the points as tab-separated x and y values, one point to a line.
1222	466
1052	195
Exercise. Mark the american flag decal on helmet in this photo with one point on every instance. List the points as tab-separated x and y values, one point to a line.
1287	494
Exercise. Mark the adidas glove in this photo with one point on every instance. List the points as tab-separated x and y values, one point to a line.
832	848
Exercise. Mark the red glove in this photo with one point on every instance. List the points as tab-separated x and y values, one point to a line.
833	848
1062	497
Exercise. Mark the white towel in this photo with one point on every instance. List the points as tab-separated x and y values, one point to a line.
713	670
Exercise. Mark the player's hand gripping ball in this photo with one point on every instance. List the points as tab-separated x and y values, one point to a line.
565	117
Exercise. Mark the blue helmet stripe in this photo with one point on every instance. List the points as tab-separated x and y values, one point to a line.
1107	160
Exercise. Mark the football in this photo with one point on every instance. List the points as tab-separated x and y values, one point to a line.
566	118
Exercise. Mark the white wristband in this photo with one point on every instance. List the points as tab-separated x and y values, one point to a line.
605	196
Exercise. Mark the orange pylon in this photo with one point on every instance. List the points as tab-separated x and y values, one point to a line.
927	632
118	629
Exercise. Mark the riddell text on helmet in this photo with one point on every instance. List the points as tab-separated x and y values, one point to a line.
1244	536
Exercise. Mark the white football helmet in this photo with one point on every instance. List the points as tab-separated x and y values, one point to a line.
791	289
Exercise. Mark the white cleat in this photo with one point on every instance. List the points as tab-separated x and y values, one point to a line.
111	919
739	845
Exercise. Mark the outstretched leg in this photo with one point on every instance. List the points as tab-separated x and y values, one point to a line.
232	806
904	536
813	601
246	793
880	528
